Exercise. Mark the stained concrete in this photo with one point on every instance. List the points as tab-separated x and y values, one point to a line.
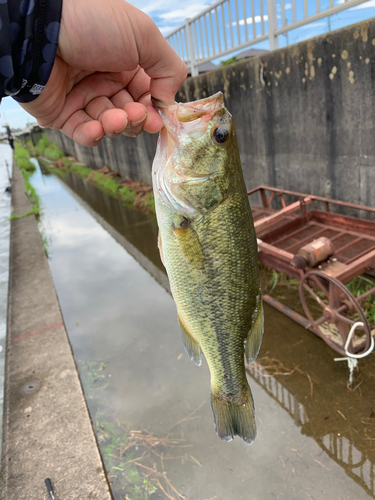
47	430
304	117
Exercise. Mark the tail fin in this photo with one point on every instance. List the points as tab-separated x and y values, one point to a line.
233	419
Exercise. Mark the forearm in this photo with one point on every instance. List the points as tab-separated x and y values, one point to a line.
28	43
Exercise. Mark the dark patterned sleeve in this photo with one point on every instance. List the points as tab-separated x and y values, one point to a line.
29	31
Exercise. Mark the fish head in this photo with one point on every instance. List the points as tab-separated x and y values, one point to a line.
192	162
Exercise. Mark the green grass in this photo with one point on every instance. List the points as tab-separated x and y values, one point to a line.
31	148
128	195
108	184
231	60
22	157
53	152
150	202
358	286
42	145
80	170
48	150
32	195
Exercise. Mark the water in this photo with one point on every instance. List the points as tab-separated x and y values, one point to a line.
5	210
315	438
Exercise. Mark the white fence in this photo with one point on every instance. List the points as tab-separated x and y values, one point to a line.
230	25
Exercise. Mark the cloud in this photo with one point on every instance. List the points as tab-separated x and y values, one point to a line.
166	29
182	14
249	20
366	5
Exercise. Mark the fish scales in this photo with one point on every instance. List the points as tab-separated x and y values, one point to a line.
207	243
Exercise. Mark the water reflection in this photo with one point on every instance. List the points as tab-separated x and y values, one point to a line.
342	422
315	438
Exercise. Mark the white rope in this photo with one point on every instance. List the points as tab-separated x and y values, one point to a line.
351	333
352	358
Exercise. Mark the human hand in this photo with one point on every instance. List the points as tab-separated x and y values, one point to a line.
110	59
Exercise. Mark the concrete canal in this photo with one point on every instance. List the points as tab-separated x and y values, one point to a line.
149	403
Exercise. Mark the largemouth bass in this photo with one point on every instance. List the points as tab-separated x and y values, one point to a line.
208	245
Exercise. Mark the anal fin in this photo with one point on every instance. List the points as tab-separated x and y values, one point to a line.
191	345
254	338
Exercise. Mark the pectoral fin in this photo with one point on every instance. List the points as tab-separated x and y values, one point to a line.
254	338
191	345
189	243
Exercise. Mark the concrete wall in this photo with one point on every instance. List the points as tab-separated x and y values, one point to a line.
305	118
131	157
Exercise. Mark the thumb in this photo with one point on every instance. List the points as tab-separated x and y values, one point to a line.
165	68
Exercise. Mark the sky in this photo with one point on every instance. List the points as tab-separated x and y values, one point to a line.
170	14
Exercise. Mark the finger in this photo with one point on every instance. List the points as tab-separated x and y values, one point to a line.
165	68
90	88
153	123
83	129
113	120
137	89
137	114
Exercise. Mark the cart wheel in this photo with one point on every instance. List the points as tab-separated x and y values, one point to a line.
332	310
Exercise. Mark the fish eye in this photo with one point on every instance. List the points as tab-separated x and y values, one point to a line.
220	134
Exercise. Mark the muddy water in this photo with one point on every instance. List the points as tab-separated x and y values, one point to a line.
150	403
5	202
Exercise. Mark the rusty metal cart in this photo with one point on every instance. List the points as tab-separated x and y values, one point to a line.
324	250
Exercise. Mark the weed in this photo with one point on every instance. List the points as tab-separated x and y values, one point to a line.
42	145
32	195
149	202
108	184
80	170
30	147
231	60
22	157
358	286
52	152
44	238
128	195
272	284
134	459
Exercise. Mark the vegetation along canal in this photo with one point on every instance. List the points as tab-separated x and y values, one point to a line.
150	404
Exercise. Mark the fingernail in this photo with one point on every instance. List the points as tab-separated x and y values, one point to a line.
98	138
135	128
119	131
139	122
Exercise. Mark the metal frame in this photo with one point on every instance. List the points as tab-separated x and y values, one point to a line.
205	36
280	232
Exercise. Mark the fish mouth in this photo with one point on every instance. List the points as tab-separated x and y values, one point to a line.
189	118
190	111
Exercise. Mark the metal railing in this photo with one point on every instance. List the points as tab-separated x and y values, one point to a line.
231	25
